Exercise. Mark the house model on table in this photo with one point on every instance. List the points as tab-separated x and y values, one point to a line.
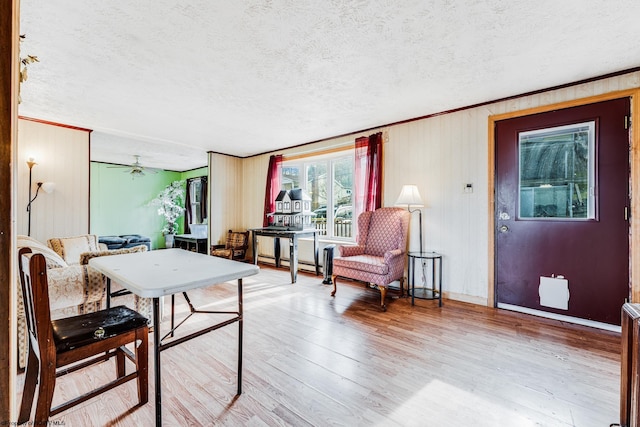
293	210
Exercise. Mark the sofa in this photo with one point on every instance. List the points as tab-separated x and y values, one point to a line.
74	287
125	241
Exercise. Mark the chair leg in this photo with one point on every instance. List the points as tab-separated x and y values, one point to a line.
333	279
45	391
142	365
383	294
120	368
30	382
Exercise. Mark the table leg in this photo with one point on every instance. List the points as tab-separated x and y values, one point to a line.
412	279
439	282
293	258
255	248
240	336
315	253
433	277
173	312
276	250
156	356
108	292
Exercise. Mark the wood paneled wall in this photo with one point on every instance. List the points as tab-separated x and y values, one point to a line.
62	157
225	196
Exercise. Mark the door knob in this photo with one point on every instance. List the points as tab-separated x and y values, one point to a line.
504	229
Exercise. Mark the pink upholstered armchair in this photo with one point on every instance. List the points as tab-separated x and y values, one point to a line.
379	257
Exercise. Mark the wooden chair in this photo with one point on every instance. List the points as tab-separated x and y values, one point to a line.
234	248
79	340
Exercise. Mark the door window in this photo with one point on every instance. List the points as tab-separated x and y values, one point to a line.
557	172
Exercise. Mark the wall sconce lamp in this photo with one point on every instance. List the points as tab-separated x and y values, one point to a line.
47	187
410	197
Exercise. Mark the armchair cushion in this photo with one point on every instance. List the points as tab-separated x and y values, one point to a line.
70	248
366	263
86	256
53	259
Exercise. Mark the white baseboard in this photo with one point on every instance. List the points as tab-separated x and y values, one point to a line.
561	317
465	298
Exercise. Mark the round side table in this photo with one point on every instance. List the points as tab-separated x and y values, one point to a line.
434	261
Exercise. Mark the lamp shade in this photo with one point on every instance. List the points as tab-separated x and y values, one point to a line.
410	196
48	187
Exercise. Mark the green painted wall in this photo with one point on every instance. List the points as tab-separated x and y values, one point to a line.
120	205
194	173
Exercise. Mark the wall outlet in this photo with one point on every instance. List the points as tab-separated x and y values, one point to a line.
468	188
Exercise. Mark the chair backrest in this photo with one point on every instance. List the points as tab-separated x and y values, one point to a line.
383	230
35	295
237	240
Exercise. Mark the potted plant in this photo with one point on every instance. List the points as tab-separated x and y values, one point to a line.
170	202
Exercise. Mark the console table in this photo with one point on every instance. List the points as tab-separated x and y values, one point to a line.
191	243
293	236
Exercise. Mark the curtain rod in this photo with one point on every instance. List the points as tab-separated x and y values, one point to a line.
335	149
343	147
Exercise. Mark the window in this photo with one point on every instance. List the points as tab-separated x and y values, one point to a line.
197	209
557	172
328	180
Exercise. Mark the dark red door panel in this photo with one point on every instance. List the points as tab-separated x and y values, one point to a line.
592	254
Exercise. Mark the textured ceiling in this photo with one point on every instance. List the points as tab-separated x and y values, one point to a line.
170	80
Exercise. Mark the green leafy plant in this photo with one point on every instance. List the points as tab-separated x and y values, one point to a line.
170	203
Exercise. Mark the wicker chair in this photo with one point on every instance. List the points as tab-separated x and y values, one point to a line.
235	247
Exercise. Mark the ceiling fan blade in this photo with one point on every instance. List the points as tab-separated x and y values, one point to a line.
135	169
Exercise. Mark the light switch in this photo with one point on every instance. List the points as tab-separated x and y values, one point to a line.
468	188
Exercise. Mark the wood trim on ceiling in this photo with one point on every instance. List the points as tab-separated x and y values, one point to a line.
634	261
46	122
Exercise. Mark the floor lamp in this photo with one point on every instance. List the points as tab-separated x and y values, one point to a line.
47	187
410	197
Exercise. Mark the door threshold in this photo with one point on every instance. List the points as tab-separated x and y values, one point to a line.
562	317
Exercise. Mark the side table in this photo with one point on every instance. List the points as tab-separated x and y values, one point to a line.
191	242
434	260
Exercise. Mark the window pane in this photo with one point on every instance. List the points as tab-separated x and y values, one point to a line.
290	177
343	197
317	184
557	172
195	186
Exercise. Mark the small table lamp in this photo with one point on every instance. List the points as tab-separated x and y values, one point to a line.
410	197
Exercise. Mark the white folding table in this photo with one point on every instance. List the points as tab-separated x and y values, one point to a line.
155	274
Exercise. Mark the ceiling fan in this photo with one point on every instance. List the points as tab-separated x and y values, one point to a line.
136	169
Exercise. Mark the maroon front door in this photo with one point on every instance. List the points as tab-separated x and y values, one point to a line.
562	197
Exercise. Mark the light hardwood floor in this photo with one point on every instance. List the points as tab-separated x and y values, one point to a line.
313	360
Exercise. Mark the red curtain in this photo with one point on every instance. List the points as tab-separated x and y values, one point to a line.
273	186
368	173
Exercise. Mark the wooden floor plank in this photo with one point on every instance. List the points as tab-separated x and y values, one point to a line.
314	360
